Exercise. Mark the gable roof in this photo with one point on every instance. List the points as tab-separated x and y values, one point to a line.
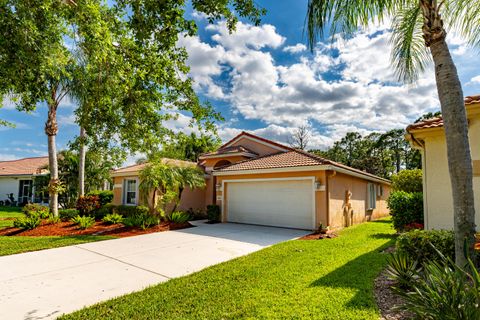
229	150
26	166
437	122
247	135
135	168
294	159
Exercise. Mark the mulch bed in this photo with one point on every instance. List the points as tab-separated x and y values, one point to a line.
99	228
318	236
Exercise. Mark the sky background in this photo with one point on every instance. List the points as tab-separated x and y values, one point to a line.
265	81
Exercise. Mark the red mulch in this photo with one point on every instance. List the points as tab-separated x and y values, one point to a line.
99	228
318	236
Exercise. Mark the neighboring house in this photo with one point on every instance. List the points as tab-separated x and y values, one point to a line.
258	181
429	137
126	184
16	179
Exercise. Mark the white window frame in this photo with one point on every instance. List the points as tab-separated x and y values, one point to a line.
371	196
124	200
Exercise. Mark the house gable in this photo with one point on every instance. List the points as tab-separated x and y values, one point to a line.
259	145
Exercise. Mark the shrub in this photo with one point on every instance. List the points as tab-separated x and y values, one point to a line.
27	223
402	269
88	204
405	208
53	220
67	214
112	218
178	217
104	211
196	214
35	209
417	245
408	181
83	222
104	196
143	221
444	291
127	211
213	213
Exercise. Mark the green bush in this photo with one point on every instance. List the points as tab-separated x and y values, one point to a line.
88	204
112	218
178	217
27	223
83	222
417	245
408	181
197	214
105	196
35	209
127	211
104	211
53	220
443	291
405	208
68	214
143	221
213	213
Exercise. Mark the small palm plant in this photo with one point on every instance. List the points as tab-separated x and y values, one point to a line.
157	178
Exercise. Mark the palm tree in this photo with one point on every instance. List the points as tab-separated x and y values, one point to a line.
419	36
191	177
157	178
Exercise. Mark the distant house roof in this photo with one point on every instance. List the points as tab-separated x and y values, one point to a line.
293	159
437	122
134	169
26	166
229	150
249	135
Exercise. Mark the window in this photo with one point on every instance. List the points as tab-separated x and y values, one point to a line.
372	196
130	191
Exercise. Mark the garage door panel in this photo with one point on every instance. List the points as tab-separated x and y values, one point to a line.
283	203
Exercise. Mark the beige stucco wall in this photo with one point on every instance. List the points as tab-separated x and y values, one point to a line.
437	189
338	186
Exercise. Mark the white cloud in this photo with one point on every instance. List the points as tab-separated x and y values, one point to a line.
363	96
475	80
67	120
299	47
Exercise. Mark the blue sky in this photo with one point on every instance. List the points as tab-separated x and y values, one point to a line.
262	79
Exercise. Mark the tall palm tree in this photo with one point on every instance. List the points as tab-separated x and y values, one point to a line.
191	177
419	36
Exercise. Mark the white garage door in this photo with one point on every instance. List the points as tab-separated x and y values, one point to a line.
281	203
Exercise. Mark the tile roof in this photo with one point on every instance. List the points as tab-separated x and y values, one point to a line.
244	133
137	167
26	166
228	150
290	159
438	121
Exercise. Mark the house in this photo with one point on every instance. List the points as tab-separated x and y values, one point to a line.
16	179
126	187
258	181
429	137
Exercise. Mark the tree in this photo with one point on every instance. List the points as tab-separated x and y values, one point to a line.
157	179
429	115
189	147
191	177
300	138
134	39
419	36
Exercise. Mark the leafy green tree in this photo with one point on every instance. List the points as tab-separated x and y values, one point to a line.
130	45
429	115
418	37
189	147
408	181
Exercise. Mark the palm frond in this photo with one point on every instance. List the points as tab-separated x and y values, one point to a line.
409	53
346	16
463	17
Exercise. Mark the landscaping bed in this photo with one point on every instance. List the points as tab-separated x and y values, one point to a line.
99	228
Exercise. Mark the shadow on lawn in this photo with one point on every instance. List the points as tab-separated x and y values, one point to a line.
358	274
383	236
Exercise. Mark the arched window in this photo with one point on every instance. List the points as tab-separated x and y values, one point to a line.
221	163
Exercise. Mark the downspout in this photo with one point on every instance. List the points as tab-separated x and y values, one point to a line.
331	175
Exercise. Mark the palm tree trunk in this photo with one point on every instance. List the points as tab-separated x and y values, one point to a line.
51	129
458	148
180	191
81	163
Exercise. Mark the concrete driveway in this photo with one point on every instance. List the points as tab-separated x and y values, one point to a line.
48	283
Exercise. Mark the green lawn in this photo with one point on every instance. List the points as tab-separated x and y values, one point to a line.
318	279
18	244
9	212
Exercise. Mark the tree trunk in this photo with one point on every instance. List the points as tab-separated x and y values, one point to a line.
180	191
51	129
81	163
458	148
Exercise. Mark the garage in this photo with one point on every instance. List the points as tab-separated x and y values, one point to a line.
274	202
